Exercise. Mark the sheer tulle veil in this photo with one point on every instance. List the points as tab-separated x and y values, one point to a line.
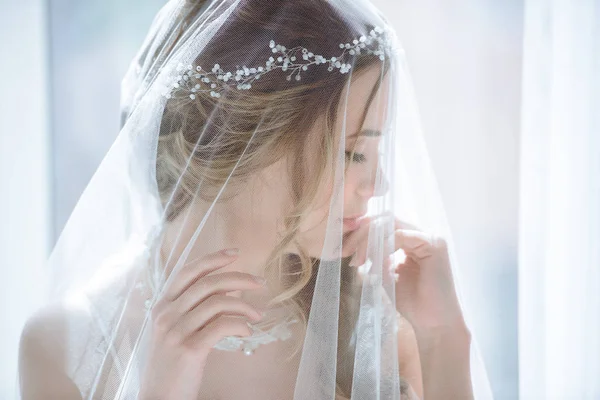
288	120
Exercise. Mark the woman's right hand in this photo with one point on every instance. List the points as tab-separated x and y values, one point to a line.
192	314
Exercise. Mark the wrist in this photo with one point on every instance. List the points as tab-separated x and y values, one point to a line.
456	332
444	354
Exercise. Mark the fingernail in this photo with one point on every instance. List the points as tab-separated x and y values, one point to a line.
260	280
231	252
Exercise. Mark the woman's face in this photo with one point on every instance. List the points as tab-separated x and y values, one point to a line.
360	176
252	219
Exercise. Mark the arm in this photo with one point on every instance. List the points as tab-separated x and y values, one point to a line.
426	296
445	362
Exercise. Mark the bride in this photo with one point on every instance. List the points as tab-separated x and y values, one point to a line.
247	235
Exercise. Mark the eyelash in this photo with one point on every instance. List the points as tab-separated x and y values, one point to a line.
358	157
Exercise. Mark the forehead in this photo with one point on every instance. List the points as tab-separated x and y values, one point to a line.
358	94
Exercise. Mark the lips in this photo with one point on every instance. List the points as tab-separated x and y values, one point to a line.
352	223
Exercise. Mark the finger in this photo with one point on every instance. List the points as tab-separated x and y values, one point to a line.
213	307
362	250
358	242
400	224
388	271
210	285
414	243
191	272
403	225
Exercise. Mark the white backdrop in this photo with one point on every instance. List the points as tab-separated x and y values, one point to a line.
467	59
559	264
24	173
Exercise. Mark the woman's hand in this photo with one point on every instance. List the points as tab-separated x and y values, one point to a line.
191	316
424	286
426	297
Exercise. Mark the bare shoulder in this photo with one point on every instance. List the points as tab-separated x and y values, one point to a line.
41	356
44	328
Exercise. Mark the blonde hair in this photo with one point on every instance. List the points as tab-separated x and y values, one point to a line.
244	131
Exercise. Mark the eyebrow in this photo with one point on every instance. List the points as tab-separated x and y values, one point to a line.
365	132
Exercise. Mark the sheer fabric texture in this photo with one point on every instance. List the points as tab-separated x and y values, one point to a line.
271	126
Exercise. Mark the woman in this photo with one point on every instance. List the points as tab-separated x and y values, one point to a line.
241	239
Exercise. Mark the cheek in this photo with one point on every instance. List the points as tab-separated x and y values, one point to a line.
317	214
314	225
317	217
351	180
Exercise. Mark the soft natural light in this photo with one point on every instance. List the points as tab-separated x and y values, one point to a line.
508	93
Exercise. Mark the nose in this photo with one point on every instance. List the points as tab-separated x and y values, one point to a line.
373	184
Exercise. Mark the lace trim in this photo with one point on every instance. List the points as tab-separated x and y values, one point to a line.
259	337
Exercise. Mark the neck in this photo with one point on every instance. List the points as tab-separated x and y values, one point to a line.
241	222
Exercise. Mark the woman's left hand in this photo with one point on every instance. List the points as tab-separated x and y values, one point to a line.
424	285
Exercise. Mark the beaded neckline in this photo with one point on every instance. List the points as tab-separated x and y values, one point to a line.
248	344
280	331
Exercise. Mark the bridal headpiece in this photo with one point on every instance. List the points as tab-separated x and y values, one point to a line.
187	80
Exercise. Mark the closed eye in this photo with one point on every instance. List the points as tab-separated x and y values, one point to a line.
356	157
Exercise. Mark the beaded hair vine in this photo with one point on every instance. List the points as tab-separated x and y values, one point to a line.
189	80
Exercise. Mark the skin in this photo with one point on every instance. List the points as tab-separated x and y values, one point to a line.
217	290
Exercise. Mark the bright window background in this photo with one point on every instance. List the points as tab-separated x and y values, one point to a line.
91	46
465	60
63	80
